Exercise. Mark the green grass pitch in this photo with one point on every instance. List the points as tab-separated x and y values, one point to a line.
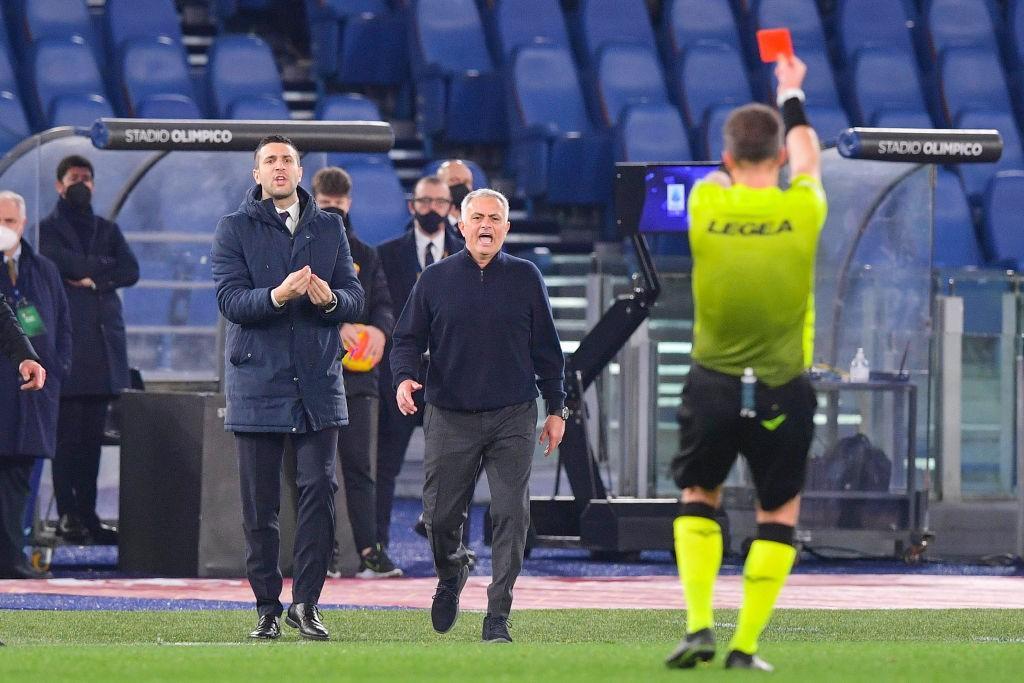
966	646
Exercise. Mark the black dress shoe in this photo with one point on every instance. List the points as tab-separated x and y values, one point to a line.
445	609
420	527
71	529
24	571
103	534
267	628
306	618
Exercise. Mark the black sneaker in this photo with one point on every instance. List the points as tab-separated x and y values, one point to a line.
445	609
496	629
377	565
334	568
741	660
698	646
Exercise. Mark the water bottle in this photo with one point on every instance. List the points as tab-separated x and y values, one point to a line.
747	383
859	367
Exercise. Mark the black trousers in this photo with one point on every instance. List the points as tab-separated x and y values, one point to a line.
394	433
15	474
259	467
77	462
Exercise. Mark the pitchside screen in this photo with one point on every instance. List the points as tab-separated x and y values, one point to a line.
654	198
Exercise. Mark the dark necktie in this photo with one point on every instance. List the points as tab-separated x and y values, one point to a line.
12	271
284	217
428	254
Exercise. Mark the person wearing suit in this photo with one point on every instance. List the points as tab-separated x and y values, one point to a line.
458	176
28	421
427	240
95	261
285	283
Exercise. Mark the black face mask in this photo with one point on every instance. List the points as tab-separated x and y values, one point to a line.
459	193
79	196
340	212
430	222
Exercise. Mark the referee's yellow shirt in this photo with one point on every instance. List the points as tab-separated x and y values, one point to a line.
753	276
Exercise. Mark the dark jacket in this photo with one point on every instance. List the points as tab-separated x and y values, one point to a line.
489	331
282	371
377	311
402	269
14	345
28	421
99	364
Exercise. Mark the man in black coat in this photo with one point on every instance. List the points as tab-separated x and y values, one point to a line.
28	420
426	240
95	261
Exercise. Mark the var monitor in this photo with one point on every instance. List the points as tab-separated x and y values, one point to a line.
654	198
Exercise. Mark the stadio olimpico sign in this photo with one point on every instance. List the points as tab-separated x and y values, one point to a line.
229	136
922	145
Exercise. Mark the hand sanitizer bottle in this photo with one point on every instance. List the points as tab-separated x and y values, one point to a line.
859	371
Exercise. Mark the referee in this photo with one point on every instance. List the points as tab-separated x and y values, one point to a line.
754	249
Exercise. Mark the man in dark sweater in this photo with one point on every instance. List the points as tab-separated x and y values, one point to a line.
485	318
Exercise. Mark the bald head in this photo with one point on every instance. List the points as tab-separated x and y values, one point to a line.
456	172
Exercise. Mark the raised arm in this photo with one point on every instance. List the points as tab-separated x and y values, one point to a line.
802	145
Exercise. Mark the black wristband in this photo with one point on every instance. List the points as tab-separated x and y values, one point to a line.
793	114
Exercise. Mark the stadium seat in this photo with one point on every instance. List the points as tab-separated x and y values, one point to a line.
690	22
607	22
152	67
458	90
379	209
529	22
899	118
873	24
555	151
829	122
960	23
628	75
710	76
819	84
15	127
57	19
240	67
1016	31
146	19
480	178
955	242
168	107
347	107
66	96
358	42
972	77
652	132
259	108
977	176
226	9
1004	206
799	16
885	81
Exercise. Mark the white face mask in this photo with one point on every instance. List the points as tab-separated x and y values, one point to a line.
8	239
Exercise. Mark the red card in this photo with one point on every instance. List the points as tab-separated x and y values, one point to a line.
773	43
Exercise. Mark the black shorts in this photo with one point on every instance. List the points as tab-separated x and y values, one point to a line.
775	443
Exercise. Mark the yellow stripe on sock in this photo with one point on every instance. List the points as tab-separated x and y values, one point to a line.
699	556
768	564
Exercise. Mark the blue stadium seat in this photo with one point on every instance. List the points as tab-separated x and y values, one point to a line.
873	24
628	75
652	132
885	82
555	151
358	42
66	96
1016	31
226	9
141	19
454	74
972	77
607	22
828	122
379	208
710	140
711	76
168	107
819	84
977	176
1004	205
529	22
955	242
799	16
13	124
152	67
900	118
259	108
240	67
58	19
689	22
480	178
960	23
347	107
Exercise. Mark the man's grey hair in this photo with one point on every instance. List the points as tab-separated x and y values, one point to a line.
17	199
485	192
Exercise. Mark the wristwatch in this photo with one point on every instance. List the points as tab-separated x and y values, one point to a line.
563	413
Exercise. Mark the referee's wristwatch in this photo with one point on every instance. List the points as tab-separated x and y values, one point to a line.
563	413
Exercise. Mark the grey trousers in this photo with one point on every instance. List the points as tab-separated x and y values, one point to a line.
457	443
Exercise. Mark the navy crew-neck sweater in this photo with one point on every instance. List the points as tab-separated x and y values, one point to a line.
490	334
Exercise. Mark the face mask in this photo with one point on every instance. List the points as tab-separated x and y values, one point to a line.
343	214
79	196
459	193
8	239
430	221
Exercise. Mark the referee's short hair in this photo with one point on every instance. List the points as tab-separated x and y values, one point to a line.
753	133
